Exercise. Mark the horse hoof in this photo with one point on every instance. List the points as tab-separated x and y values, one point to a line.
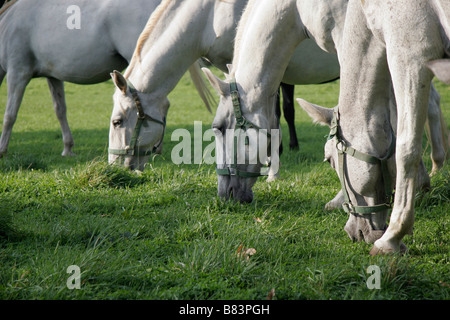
330	206
383	250
68	154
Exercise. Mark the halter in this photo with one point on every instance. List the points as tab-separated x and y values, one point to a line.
242	124
131	149
344	150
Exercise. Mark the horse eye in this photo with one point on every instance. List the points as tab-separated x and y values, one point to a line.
117	123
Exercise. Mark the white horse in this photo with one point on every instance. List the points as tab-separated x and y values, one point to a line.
262	58
177	34
384	40
261	39
42	39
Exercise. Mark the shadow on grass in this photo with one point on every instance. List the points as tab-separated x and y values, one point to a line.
41	150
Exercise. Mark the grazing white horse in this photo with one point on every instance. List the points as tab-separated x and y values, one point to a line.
262	58
397	38
261	39
177	34
44	39
384	40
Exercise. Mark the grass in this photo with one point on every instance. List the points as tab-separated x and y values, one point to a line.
164	234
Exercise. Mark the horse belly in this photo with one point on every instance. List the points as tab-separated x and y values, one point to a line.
82	53
81	69
78	56
311	65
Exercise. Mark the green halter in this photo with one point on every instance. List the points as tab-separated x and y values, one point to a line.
131	149
344	150
241	124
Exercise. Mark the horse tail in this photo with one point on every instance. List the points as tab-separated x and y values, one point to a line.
200	85
445	135
444	129
443	126
4	5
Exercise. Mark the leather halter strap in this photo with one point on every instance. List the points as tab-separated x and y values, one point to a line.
132	149
241	124
344	150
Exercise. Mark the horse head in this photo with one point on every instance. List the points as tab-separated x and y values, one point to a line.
137	124
245	141
365	179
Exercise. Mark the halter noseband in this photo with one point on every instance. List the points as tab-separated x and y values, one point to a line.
343	150
241	124
132	149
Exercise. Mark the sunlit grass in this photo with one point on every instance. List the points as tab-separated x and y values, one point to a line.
164	233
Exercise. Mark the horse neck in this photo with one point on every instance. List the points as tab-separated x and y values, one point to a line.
264	51
366	92
118	23
173	45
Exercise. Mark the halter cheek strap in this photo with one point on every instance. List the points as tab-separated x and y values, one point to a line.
131	149
241	124
344	150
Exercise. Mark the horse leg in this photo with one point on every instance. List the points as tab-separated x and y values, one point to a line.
423	178
336	203
16	89
59	104
289	113
436	129
2	75
412	87
278	114
274	169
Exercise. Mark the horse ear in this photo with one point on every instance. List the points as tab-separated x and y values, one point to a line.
221	86
441	69
228	75
317	113
229	67
119	81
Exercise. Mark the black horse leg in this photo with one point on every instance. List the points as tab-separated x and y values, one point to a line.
278	114
289	113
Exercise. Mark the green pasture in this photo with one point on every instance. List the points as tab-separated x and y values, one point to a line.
164	233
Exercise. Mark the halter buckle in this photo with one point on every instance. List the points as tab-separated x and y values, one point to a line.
348	207
343	145
141	115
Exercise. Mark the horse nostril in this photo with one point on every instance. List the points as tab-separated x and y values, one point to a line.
129	165
246	199
361	235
